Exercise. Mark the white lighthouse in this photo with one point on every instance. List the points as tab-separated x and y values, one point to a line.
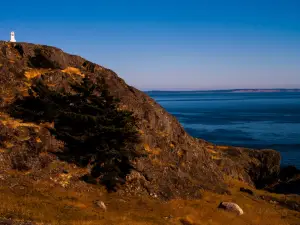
12	37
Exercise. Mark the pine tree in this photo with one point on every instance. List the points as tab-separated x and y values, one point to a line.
90	124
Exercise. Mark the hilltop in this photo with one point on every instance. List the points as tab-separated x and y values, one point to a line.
172	170
170	149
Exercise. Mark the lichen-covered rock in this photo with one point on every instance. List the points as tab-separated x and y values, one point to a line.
232	207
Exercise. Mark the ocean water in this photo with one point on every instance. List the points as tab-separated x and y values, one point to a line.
253	120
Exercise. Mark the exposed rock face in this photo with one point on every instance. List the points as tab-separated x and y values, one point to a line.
288	182
267	169
176	166
255	167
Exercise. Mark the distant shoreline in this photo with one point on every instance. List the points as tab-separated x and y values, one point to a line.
233	90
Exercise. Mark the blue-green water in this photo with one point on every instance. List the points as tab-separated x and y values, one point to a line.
254	120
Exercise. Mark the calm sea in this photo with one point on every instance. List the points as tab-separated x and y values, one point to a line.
254	120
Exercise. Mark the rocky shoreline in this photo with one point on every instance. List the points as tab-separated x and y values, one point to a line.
259	168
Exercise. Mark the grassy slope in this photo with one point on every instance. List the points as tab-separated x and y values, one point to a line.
47	195
49	202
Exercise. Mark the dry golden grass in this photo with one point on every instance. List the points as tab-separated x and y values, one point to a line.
152	151
214	157
180	153
32	73
161	133
7	98
72	70
209	146
7	144
141	132
223	147
46	202
212	151
15	123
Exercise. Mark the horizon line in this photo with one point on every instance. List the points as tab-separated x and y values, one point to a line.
229	89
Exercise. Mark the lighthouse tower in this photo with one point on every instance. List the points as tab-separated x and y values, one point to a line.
12	37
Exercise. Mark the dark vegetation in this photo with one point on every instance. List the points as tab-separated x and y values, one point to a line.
87	119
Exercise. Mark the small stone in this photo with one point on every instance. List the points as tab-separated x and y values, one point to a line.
153	195
230	206
101	205
168	217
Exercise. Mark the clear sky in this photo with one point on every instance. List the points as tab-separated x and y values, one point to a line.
163	44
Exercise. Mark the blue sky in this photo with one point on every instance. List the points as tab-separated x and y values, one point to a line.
164	44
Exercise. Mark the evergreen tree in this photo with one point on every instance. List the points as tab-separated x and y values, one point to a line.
93	129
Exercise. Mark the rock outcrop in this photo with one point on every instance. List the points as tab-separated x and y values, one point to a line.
258	168
176	165
288	181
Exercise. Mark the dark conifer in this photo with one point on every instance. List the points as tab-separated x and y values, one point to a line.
93	129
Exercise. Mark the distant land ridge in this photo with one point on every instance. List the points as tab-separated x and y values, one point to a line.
233	90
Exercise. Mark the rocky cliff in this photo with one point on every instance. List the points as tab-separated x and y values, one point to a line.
177	165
